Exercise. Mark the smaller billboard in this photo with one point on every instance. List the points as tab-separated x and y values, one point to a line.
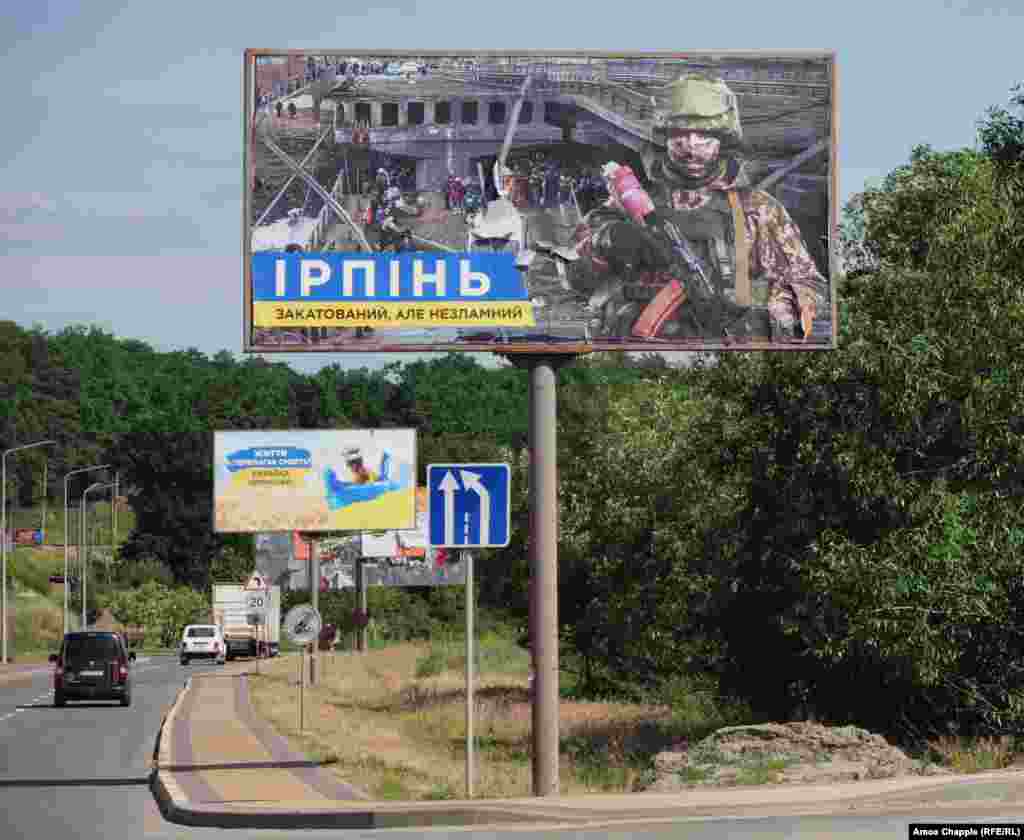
410	543
314	481
396	558
436	567
28	536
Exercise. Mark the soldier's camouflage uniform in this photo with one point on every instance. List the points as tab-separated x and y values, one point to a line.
784	279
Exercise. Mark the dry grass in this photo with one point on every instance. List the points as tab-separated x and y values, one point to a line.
973	755
37	625
397	736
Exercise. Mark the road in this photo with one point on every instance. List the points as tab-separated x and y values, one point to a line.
82	772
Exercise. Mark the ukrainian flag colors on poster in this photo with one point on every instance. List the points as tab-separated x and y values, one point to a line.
314	480
382	290
400	543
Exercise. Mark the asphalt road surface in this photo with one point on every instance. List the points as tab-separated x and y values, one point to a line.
82	772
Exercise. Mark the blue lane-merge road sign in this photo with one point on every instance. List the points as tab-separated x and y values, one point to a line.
468	505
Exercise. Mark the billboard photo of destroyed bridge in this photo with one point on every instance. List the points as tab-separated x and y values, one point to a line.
539	202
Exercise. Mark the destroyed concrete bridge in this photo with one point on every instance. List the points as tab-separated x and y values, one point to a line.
467	112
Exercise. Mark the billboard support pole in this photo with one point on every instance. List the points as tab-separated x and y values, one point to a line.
543	633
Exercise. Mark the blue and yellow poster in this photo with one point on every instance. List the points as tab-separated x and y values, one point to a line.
307	480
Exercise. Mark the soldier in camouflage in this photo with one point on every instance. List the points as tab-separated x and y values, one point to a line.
738	256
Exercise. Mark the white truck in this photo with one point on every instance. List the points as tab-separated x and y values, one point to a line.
250	619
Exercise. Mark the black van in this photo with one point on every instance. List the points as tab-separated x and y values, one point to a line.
92	666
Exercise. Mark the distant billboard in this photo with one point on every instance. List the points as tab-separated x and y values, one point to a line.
403	558
523	201
28	536
435	567
410	543
314	480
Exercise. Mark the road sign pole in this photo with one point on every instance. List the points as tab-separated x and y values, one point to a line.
483	492
361	587
259	631
314	596
544	573
467	559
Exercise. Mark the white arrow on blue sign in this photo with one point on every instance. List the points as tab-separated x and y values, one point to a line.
468	505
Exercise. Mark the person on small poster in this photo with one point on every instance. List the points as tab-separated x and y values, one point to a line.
362	484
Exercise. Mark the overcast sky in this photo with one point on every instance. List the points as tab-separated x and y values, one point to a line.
120	195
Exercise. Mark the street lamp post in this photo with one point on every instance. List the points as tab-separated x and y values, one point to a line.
66	571
3	529
114	514
42	522
99	485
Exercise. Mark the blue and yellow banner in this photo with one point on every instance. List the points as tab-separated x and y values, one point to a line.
389	290
314	480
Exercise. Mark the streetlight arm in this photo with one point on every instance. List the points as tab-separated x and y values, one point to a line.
28	446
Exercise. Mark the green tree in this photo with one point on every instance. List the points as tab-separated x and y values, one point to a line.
840	549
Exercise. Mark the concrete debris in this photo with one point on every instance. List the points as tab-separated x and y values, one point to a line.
784	753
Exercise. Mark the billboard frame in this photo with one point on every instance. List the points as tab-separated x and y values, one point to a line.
567	348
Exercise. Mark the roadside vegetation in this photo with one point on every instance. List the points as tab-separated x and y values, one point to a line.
393	719
392	722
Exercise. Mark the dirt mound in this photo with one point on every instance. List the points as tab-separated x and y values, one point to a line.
781	753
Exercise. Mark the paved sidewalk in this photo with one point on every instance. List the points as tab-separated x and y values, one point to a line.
219	765
12	671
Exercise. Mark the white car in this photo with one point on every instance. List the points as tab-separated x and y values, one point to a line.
203	641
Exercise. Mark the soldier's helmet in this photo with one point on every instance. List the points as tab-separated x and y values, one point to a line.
697	103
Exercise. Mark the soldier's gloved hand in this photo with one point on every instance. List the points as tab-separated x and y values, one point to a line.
625	244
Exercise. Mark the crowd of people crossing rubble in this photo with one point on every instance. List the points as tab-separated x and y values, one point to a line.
538	181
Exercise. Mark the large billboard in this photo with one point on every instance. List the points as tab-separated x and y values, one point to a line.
539	201
314	481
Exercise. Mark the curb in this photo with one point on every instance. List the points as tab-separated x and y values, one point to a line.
551	813
165	790
219	816
540	814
